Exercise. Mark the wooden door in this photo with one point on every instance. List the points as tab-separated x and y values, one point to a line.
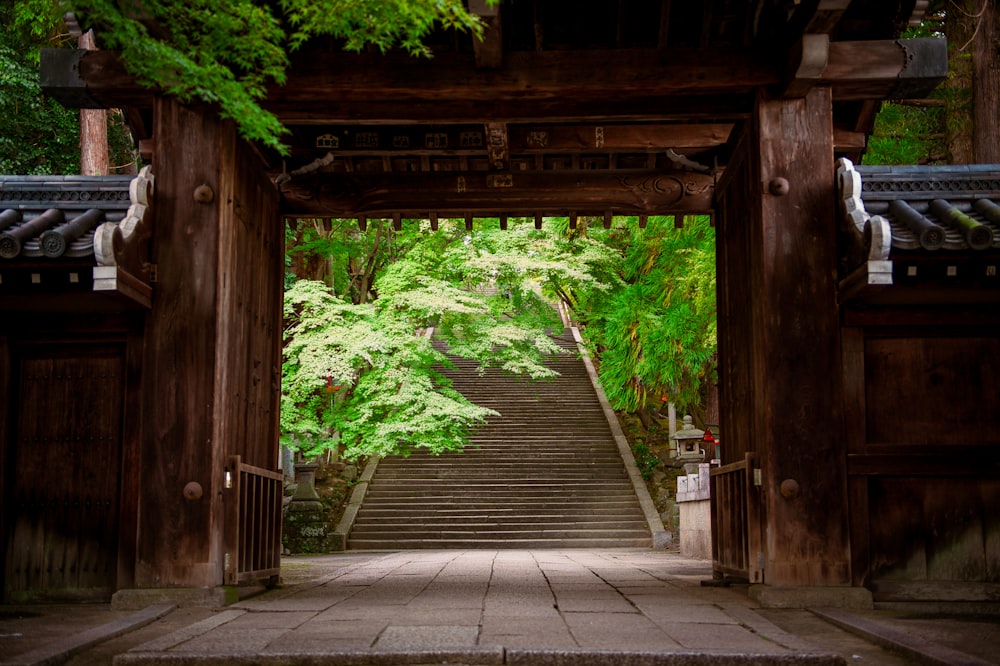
63	481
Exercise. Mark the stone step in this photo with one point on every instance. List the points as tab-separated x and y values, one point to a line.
546	473
513	525
499	516
499	543
433	506
562	532
491	489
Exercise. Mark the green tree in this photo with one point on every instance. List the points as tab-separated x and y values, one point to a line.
226	53
655	333
358	372
37	135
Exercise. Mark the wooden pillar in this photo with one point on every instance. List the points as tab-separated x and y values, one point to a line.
780	358
210	381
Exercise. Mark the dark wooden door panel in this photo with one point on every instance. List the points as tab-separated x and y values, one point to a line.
63	490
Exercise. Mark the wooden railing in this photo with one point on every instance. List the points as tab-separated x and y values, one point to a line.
736	534
253	523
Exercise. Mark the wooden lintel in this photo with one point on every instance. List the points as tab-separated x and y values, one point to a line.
885	69
627	192
356	80
499	140
527	138
634	84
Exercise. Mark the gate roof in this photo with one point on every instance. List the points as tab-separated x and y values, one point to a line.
563	108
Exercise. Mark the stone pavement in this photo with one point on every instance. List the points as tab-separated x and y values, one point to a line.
558	607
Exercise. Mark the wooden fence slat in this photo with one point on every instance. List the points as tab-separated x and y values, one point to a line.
735	510
253	523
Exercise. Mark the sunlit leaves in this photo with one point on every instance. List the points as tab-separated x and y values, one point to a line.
364	373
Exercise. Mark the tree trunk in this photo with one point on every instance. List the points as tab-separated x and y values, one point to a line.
960	26
986	86
93	129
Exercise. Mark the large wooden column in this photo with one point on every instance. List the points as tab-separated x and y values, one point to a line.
780	360
212	349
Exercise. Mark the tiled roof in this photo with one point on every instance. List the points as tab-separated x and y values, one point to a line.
927	207
927	227
55	216
61	234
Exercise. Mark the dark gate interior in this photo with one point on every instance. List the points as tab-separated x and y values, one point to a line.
61	508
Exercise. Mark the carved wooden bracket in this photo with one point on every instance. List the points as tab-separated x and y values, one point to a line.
121	250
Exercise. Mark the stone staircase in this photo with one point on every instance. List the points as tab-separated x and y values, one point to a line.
547	473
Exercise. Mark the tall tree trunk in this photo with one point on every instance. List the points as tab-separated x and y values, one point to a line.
986	86
93	129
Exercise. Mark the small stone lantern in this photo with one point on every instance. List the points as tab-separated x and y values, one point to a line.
688	441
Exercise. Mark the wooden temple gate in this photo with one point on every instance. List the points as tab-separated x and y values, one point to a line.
632	108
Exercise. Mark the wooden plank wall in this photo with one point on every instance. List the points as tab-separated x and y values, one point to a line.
54	472
924	464
737	281
249	321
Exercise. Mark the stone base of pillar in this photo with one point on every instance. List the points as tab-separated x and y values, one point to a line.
854	598
184	597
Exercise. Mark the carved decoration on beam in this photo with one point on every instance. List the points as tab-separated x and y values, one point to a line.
498	146
630	192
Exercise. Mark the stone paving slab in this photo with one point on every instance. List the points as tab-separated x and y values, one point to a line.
576	607
564	603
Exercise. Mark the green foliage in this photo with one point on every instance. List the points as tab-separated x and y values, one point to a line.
655	334
382	23
359	374
37	135
645	460
906	135
226	53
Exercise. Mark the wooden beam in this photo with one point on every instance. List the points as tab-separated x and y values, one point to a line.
488	49
808	59
631	84
326	143
530	137
626	192
885	69
354	78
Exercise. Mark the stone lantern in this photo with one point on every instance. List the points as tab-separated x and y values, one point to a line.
688	441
